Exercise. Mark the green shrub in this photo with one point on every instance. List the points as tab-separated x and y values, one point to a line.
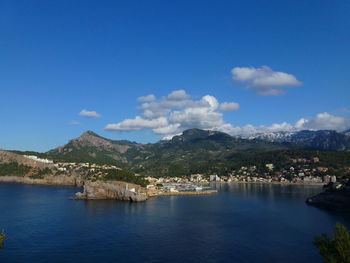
39	174
2	238
336	250
125	176
13	169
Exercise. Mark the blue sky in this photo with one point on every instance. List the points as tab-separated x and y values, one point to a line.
58	58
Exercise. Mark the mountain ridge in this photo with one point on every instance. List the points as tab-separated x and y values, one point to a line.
194	151
325	140
203	149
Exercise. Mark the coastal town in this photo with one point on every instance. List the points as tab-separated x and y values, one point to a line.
301	171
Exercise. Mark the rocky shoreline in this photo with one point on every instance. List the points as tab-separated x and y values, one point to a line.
100	190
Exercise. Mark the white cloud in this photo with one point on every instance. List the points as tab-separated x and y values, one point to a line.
138	123
90	114
175	113
178	111
325	121
147	98
170	129
322	121
74	123
229	106
264	80
178	95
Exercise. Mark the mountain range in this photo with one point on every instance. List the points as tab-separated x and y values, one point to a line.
198	151
193	149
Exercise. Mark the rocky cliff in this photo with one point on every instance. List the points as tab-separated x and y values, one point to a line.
47	180
113	190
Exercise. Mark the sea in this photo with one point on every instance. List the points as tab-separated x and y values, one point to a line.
241	223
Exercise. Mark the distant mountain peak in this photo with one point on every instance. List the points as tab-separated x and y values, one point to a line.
90	142
90	133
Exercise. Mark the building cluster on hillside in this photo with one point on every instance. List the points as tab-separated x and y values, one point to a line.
91	170
299	171
37	159
87	166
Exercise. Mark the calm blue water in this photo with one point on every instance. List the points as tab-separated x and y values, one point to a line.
242	223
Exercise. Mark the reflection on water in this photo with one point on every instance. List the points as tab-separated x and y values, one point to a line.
280	190
242	223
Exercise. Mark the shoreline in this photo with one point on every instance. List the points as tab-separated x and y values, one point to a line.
120	190
75	182
278	183
205	192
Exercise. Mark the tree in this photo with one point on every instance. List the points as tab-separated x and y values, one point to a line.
336	250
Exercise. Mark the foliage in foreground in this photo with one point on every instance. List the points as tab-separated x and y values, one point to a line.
2	238
336	250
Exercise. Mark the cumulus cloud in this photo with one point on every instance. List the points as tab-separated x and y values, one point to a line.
178	111
178	95
147	98
175	113
264	80
89	114
138	123
325	121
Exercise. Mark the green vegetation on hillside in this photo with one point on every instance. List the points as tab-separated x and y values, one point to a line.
223	162
336	250
86	155
13	169
40	173
125	176
195	151
282	158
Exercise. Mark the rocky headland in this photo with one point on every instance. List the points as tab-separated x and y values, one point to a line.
335	197
113	190
39	173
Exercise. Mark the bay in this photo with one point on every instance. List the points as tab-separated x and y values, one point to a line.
242	223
